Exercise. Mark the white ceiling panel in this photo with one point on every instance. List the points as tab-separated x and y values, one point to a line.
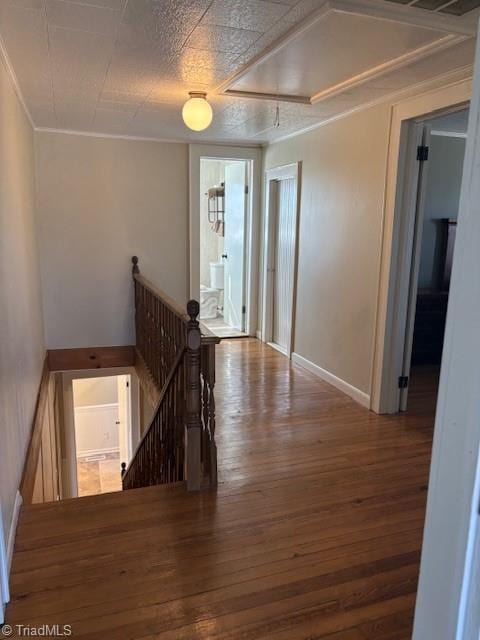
126	66
70	15
355	45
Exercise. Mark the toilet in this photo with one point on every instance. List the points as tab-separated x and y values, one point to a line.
211	298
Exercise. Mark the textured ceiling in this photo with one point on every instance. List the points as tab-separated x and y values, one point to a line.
124	67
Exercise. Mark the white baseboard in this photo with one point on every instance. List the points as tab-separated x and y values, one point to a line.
6	555
258	335
359	396
4	589
13	529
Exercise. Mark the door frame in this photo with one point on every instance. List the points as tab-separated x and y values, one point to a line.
252	245
4	571
445	588
398	222
272	176
69	486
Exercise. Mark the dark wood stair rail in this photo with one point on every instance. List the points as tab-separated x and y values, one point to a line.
179	355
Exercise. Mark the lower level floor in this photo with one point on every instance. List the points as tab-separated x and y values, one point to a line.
314	532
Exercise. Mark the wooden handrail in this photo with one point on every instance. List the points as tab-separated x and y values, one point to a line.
157	292
163	393
179	355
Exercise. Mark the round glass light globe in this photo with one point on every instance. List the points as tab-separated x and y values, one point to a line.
197	113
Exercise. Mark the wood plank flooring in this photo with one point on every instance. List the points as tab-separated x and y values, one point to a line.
313	533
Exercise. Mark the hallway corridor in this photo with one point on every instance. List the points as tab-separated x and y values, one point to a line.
314	531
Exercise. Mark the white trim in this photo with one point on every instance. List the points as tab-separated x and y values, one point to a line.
463	74
4	586
387	67
253	154
13	77
292	170
278	348
116	136
93	407
448	134
356	394
452	519
6	554
258	335
13	529
391	285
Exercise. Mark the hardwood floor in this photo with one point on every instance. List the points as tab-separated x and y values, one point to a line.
314	532
98	474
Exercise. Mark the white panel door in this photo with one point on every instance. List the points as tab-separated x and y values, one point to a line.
234	244
284	262
415	264
124	418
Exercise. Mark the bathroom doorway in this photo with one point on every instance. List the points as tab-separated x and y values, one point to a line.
224	203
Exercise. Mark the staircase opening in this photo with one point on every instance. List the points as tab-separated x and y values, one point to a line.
100	429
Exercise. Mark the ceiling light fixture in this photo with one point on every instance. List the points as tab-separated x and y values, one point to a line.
197	113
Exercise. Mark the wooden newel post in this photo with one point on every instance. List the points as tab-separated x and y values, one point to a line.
135	268
193	463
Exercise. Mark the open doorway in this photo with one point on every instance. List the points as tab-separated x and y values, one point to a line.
435	183
224	209
103	432
280	256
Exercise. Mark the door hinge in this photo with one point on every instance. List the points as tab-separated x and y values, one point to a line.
422	153
244	309
403	382
246	189
128	384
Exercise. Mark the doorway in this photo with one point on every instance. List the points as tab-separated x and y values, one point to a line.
281	225
434	182
102	432
224	204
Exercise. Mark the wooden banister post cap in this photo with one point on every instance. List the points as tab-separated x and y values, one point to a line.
193	309
135	268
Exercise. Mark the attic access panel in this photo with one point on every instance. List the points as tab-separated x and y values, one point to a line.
344	46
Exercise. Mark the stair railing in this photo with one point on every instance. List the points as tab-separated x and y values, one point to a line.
179	443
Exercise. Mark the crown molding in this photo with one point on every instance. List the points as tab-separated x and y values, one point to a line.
112	136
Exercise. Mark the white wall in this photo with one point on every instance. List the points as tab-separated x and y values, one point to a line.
99	390
342	191
22	350
100	201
